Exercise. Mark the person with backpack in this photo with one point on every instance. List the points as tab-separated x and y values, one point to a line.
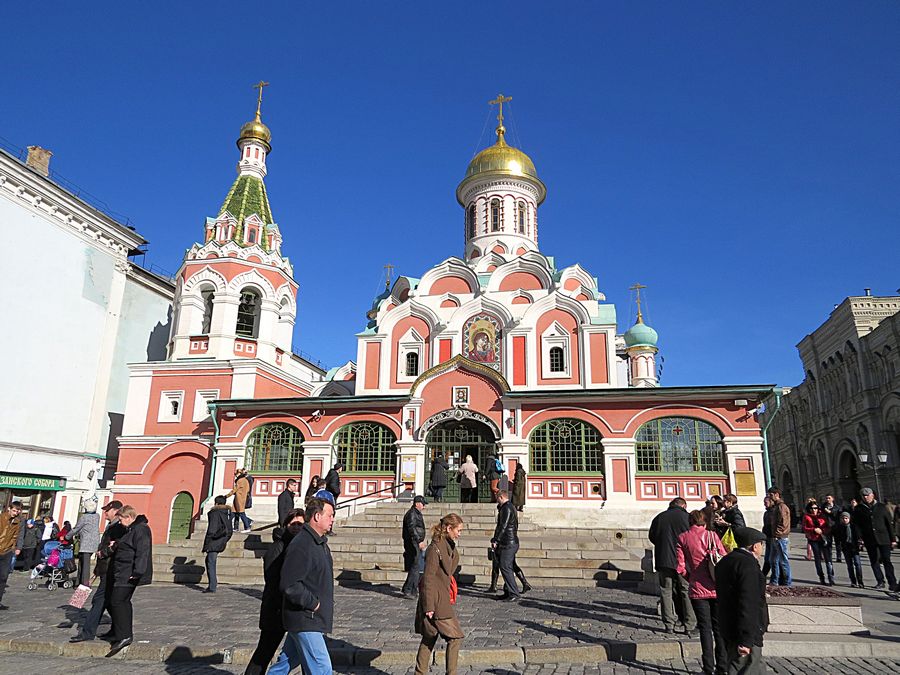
673	589
698	550
494	472
218	532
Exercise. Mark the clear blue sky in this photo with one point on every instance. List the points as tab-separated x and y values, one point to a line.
743	162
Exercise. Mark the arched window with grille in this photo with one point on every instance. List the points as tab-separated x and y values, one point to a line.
495	215
557	360
470	221
679	445
275	447
248	314
521	217
566	446
208	296
366	447
412	364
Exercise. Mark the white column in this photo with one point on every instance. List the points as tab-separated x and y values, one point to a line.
313	450
738	448
619	449
414	449
224	321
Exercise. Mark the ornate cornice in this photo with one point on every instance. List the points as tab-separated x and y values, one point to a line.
458	415
55	204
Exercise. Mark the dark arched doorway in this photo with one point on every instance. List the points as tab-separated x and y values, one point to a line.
454	440
848	477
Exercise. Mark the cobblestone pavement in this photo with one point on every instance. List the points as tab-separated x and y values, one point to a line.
28	664
365	616
375	616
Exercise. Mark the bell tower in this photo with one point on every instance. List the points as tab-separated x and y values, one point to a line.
236	296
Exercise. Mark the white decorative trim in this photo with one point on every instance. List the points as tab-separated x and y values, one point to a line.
42	196
555	336
133	489
202	398
168	399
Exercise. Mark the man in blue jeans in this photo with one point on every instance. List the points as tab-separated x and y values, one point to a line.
781	531
307	582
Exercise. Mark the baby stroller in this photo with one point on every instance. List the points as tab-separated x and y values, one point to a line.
57	567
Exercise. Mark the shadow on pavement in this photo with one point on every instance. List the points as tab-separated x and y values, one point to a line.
182	661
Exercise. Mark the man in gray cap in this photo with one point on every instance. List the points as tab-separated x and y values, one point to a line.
876	527
741	597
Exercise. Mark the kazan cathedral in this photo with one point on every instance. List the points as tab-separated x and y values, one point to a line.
495	353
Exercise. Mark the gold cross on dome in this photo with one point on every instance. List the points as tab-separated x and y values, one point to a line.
637	288
388	273
499	101
259	85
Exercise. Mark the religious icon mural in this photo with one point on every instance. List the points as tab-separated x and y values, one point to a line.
482	340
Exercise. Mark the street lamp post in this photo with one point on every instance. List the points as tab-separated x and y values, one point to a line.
879	460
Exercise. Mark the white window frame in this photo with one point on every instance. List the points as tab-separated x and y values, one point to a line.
166	398
201	398
410	342
555	336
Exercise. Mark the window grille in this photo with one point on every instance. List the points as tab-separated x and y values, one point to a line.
557	360
366	447
412	364
679	445
208	297
248	314
522	214
275	447
495	215
470	220
566	446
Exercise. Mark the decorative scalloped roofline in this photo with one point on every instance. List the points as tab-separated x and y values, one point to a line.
460	361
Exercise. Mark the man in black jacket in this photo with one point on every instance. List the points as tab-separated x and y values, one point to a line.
218	532
673	588
113	532
875	525
413	546
286	499
333	480
307	582
505	543
741	597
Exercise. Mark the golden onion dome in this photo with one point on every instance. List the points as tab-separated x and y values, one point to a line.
501	158
256	130
505	160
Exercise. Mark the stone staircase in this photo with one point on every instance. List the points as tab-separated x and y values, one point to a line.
368	547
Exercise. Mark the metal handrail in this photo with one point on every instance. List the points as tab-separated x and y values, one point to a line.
346	503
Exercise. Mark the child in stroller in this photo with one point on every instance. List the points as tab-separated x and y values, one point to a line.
57	566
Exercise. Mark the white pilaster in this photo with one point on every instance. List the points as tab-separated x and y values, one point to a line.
619	449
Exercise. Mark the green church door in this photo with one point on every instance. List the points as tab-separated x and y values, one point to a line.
182	514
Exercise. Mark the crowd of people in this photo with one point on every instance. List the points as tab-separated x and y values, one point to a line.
713	570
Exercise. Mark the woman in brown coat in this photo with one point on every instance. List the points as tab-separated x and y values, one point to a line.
241	491
434	613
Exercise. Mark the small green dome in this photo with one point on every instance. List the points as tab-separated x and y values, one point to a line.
641	335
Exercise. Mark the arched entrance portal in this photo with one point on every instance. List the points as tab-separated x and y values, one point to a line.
182	513
454	440
848	481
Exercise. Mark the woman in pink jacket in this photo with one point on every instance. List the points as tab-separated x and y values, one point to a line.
693	549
